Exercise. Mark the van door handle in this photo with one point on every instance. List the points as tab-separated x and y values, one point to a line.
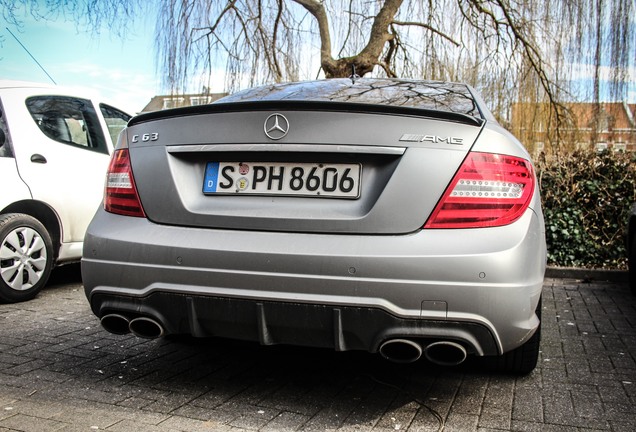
38	158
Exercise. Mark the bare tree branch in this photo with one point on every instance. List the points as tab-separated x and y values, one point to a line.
317	10
277	70
512	50
427	27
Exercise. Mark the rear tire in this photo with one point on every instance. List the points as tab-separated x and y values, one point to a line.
521	360
26	257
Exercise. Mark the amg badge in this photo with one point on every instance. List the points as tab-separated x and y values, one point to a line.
432	139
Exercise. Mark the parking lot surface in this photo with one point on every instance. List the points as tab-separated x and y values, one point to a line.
59	371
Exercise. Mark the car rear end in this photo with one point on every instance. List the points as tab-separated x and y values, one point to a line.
321	223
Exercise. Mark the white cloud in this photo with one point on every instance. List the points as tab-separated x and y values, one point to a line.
127	90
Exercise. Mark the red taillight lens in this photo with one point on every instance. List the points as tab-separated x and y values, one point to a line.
120	194
488	190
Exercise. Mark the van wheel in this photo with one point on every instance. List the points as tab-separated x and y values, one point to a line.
26	257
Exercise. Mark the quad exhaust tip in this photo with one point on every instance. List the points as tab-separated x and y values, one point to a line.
116	324
444	353
143	327
147	328
401	350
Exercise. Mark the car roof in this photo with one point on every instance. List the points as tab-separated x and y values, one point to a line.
4	83
429	95
28	88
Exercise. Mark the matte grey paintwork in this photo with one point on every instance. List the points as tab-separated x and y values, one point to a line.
170	182
369	252
492	280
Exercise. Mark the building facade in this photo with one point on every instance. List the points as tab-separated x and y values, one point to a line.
163	102
606	126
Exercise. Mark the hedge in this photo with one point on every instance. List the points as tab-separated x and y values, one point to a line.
586	198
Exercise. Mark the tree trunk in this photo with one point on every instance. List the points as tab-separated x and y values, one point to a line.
363	62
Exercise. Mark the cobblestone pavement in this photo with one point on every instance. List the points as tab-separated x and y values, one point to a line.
60	371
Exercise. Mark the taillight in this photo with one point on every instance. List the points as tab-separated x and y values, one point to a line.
488	190
120	195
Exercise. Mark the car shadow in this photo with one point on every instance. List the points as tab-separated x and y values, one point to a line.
65	274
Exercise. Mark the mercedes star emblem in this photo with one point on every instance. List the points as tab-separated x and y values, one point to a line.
276	126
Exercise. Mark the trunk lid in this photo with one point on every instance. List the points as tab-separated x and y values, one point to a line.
405	159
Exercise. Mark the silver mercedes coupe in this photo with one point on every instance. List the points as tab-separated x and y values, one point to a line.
387	215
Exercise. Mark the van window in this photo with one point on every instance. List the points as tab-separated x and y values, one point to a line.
5	144
115	119
68	120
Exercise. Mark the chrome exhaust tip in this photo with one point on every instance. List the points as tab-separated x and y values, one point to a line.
401	350
445	353
116	324
146	328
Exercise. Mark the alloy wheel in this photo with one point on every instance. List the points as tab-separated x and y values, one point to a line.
23	258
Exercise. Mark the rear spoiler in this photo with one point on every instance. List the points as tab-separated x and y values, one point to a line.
279	105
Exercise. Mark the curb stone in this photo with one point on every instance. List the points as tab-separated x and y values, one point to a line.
587	274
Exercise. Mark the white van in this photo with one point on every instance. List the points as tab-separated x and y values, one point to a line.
55	146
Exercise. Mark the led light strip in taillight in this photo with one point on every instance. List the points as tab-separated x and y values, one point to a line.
120	194
488	190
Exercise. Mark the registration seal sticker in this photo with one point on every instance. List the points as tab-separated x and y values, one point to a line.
242	184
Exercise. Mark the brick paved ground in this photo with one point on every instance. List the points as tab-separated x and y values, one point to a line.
60	371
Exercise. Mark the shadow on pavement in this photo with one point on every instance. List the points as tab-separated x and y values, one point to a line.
65	274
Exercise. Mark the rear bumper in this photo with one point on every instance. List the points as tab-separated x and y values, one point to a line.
340	291
338	327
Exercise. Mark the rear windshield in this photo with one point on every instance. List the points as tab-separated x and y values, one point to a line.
430	95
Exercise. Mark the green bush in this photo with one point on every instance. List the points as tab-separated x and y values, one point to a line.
587	197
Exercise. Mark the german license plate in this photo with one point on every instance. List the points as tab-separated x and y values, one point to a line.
283	178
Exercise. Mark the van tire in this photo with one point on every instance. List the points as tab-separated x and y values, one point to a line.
26	257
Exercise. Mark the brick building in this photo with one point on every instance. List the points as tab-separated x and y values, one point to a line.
162	102
613	128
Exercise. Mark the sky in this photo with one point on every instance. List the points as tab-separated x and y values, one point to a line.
123	72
